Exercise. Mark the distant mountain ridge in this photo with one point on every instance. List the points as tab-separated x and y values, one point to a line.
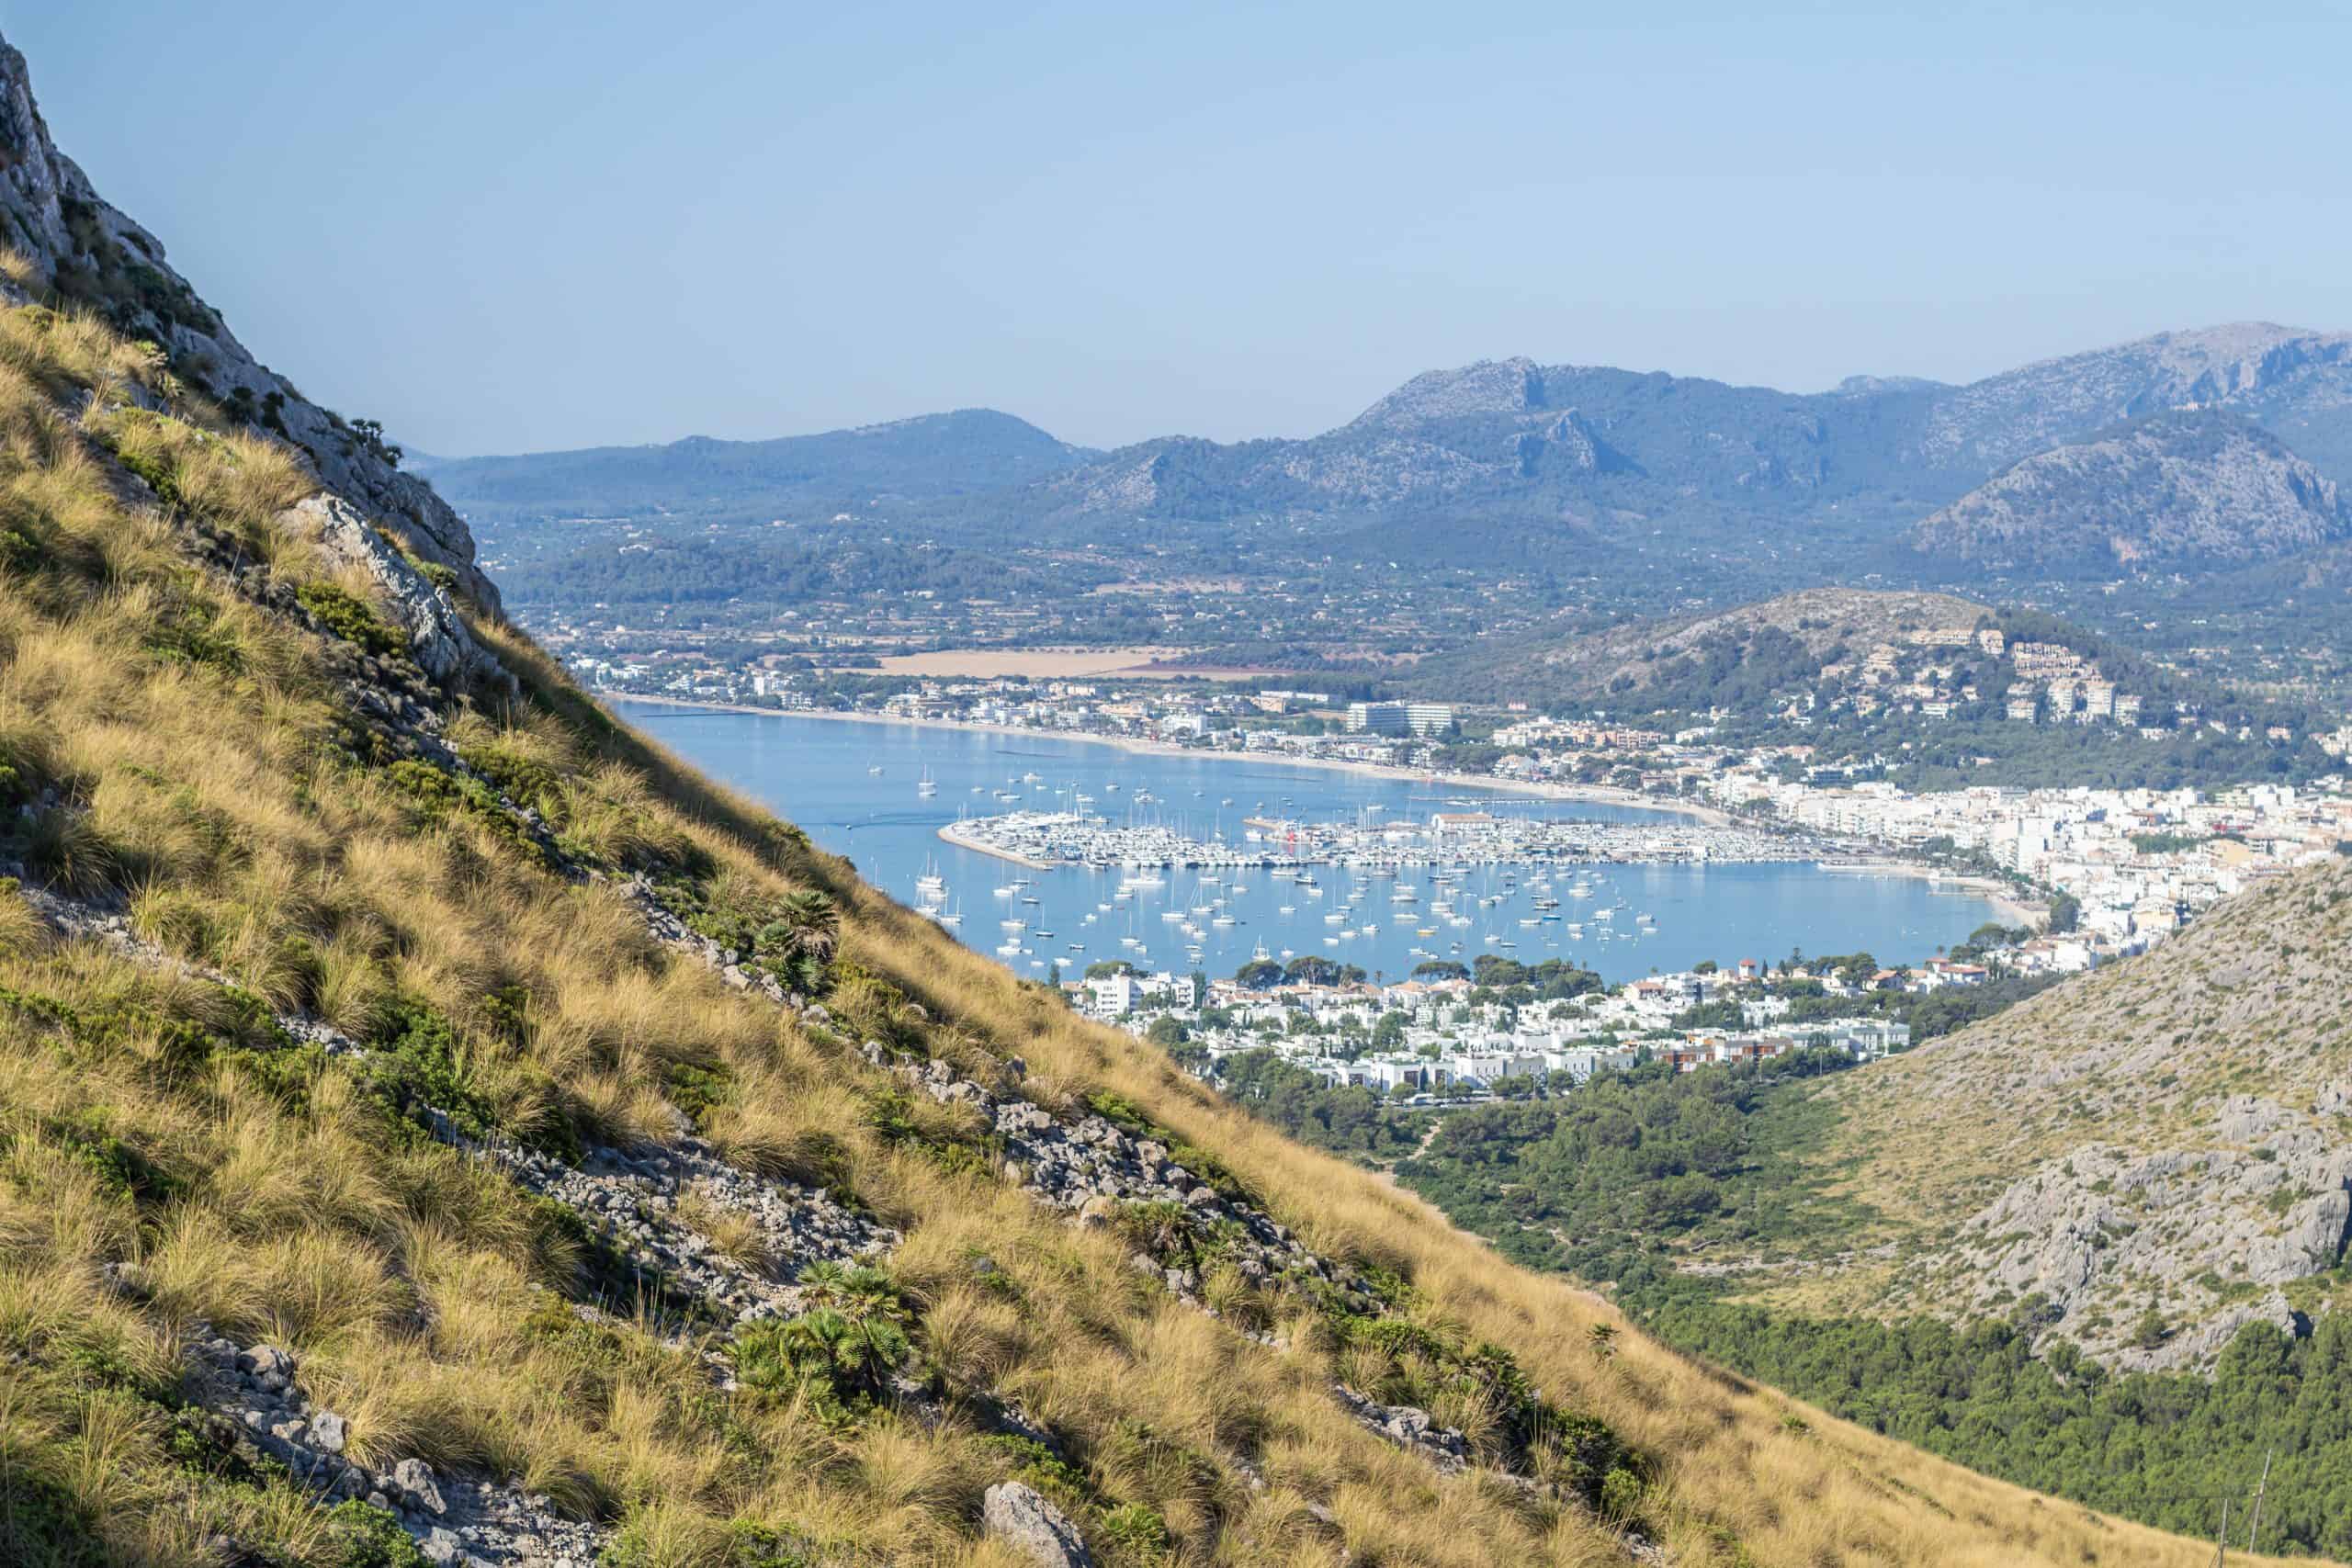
926	458
2258	368
2206	482
1561	464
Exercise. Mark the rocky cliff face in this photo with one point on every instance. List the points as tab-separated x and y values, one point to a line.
82	251
2204	484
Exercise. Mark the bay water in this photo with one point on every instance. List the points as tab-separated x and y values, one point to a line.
855	788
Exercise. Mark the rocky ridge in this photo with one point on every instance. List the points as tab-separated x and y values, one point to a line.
83	251
2207	485
2168	1131
2244	365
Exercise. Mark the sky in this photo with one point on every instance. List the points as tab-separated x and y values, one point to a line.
520	226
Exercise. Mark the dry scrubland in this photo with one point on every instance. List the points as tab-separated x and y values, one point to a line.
2175	1113
1821	618
185	743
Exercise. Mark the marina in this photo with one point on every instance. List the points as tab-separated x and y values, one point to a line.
1442	838
1188	863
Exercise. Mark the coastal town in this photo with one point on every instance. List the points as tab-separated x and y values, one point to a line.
1456	1034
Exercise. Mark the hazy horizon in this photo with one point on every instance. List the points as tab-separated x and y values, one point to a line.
758	222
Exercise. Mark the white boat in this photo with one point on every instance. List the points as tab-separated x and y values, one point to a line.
924	785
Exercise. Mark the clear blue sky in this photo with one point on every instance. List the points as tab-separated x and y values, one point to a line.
591	222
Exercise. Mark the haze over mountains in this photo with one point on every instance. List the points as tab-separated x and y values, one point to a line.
1573	455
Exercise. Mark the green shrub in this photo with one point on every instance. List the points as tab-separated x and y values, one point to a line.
350	619
363	1535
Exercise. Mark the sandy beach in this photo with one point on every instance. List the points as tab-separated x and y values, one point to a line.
2002	897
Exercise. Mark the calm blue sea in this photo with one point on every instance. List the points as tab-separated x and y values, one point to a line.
822	774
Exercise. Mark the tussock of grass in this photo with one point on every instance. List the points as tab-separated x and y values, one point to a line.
194	757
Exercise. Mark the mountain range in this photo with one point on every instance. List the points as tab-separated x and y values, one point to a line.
923	460
1577	459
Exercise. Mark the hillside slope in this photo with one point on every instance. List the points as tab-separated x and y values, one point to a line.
2166	1134
435	1126
1784	638
2200	485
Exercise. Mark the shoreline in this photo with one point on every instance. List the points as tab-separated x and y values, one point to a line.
1593	794
2003	898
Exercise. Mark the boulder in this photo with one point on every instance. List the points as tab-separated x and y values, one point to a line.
415	1477
1021	1517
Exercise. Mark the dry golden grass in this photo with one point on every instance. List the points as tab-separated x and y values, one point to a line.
268	1195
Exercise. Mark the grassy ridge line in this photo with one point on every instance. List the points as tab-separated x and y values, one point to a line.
184	747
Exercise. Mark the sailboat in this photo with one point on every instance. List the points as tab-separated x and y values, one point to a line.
925	786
